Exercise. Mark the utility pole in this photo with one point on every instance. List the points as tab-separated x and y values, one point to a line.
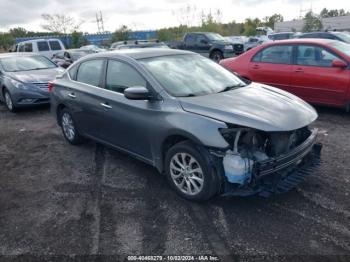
99	21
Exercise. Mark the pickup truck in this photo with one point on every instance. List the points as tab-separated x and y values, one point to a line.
210	45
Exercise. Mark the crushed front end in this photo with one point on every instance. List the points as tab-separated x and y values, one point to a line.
266	163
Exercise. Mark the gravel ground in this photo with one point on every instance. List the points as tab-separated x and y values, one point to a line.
57	199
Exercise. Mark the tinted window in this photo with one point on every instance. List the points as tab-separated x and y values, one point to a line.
121	76
201	38
280	54
55	45
190	39
43	46
90	72
21	48
309	55
28	47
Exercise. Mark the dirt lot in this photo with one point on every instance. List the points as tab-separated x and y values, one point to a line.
59	199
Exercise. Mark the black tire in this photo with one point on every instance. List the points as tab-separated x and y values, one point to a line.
72	135
216	56
9	102
210	185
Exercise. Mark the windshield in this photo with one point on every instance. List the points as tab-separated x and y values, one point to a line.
344	36
342	47
190	75
215	37
26	63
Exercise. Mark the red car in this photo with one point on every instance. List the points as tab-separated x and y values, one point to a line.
317	70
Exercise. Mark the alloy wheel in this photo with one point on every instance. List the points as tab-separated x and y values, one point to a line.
68	126
186	173
8	101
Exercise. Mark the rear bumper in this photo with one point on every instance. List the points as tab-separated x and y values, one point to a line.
281	174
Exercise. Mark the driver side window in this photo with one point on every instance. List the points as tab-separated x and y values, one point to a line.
121	76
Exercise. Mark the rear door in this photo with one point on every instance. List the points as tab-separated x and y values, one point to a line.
55	46
315	80
202	45
44	49
190	42
84	99
272	66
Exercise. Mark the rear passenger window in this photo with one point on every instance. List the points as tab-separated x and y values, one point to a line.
280	54
55	45
21	48
28	47
90	72
43	46
121	76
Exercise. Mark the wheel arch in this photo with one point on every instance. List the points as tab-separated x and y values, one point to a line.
59	109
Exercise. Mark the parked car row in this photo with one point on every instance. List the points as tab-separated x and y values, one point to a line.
210	131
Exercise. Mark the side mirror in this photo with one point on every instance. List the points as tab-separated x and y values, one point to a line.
137	93
203	41
339	64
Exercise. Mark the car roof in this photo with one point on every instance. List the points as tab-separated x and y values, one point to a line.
39	40
321	41
141	53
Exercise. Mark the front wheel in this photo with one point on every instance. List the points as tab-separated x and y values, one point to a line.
217	56
69	129
9	102
189	173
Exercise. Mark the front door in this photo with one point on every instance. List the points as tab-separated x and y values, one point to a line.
315	79
126	123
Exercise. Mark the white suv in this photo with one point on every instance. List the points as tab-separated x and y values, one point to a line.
46	47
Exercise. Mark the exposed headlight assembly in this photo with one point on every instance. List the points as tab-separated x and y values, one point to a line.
228	47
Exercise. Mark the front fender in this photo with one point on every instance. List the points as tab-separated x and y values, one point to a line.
200	130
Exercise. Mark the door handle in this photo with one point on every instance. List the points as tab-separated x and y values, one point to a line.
106	105
299	70
256	66
72	95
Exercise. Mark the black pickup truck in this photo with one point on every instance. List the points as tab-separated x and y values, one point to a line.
211	45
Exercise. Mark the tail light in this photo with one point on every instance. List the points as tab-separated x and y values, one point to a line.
50	86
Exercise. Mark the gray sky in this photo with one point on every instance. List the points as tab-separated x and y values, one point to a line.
149	14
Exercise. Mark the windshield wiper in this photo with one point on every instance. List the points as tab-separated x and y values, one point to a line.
228	88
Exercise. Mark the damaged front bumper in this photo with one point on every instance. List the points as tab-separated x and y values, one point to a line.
280	174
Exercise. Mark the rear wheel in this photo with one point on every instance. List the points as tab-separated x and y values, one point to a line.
217	56
189	173
9	102
69	129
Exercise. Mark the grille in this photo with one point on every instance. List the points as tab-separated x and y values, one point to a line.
42	85
238	47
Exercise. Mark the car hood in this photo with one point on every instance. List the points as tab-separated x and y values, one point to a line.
34	76
257	106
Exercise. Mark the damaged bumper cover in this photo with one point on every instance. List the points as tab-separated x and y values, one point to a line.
280	174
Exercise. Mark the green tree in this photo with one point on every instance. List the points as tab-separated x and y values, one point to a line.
312	23
121	34
270	21
18	32
78	39
6	41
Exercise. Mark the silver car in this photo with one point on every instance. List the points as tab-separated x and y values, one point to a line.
205	129
24	79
